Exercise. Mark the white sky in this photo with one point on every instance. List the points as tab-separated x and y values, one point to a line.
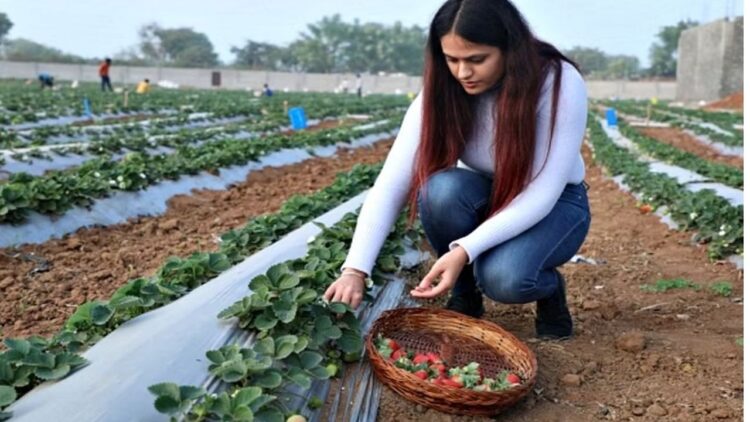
96	28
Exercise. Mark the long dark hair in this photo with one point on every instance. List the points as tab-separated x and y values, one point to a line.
448	112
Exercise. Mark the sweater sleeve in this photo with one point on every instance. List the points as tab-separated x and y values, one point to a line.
388	195
542	193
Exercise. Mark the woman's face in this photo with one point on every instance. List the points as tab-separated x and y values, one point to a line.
477	67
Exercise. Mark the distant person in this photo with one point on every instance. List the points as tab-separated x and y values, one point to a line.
104	74
359	85
143	87
46	80
267	90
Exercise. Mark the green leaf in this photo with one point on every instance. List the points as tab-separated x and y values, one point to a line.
265	346
288	281
18	345
350	341
167	389
233	371
215	356
285	346
218	262
242	414
269	379
302	380
247	395
168	405
189	392
269	415
285	311
302	343
310	359
52	373
338	307
101	313
7	395
265	322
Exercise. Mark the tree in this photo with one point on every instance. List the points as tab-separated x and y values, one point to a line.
622	67
181	47
590	60
5	25
262	56
663	52
23	50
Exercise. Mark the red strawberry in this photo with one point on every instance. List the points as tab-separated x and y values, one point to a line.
421	358
513	379
453	382
393	345
421	374
438	367
434	358
397	354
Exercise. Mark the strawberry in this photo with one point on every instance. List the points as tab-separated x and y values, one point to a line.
438	367
392	344
434	358
458	379
397	354
421	374
421	358
513	379
645	209
453	382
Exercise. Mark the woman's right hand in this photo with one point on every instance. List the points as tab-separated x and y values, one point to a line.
349	288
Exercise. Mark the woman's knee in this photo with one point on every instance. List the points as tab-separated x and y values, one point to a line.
502	280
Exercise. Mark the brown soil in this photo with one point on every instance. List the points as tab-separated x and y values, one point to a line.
730	102
677	138
41	285
691	366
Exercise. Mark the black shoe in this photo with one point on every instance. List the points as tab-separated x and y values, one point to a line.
469	303
553	320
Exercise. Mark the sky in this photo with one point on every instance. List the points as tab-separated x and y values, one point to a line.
97	28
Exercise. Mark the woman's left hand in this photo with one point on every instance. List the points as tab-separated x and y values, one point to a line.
447	268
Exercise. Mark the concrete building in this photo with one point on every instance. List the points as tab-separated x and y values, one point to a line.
710	61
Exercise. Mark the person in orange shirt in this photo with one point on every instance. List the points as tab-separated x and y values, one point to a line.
104	74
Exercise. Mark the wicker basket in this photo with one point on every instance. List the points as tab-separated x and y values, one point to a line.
459	340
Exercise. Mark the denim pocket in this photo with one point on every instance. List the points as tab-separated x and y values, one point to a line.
575	195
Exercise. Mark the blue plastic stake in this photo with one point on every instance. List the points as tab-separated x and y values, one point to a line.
297	117
86	107
611	117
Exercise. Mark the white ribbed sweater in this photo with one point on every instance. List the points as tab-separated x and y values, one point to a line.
564	165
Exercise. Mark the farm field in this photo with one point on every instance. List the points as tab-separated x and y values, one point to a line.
115	227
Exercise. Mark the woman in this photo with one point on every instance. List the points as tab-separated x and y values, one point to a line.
513	110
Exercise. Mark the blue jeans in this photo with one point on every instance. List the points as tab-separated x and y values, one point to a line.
106	84
453	203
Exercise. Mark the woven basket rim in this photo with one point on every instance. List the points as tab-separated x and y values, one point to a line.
409	387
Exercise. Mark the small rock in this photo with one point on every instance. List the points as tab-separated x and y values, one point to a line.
721	414
609	312
656	410
169	224
420	408
633	341
638	411
7	281
74	243
571	379
590	305
682	317
590	368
